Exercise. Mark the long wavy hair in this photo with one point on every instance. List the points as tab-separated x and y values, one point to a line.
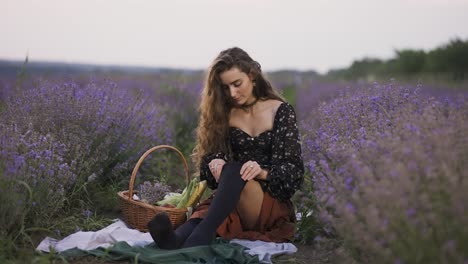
216	102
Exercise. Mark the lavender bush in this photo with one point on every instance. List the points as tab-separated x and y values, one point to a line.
312	92
38	162
177	94
389	170
59	138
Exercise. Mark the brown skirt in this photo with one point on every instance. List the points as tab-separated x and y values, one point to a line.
276	222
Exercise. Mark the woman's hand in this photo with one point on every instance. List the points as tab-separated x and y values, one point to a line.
216	166
251	170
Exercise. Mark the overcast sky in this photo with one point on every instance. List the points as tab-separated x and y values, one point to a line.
310	34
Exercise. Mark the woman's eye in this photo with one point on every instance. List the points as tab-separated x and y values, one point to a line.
237	84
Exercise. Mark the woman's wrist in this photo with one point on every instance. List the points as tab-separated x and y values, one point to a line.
262	175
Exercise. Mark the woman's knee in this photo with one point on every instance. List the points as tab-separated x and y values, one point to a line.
252	188
232	168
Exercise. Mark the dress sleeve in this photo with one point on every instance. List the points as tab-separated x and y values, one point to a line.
287	167
205	172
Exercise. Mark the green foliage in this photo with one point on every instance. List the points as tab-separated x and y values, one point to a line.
450	58
289	93
13	207
361	67
77	220
308	227
410	61
447	60
102	199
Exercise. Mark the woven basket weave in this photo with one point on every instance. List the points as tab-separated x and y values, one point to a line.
137	214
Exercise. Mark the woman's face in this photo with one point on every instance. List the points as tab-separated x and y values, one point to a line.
239	84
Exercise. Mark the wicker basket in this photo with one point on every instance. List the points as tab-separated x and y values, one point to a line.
137	213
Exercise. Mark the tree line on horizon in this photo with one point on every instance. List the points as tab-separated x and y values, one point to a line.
447	62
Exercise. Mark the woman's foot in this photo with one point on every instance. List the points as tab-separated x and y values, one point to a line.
160	228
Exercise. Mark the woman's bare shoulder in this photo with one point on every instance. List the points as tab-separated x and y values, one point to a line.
273	104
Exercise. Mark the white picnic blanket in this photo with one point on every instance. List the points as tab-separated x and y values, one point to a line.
118	231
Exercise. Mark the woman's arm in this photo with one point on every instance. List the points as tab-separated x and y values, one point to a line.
286	173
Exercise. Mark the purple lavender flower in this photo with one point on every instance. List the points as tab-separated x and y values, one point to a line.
87	213
153	192
391	163
54	136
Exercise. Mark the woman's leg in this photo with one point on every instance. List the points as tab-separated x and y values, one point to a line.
250	204
160	228
224	202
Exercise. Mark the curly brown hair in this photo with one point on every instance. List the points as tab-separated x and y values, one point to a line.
216	102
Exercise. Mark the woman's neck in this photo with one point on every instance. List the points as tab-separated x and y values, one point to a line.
248	107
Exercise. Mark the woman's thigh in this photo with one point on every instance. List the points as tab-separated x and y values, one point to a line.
250	204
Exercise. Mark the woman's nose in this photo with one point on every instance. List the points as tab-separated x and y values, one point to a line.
232	90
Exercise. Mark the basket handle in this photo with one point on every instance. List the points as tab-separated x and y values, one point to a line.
137	166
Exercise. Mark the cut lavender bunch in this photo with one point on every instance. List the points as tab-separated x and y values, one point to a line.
151	193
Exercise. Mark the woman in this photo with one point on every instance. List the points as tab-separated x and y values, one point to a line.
248	148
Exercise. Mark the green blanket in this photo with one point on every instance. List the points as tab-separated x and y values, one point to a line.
219	252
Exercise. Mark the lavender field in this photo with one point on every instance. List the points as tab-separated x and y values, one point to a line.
386	178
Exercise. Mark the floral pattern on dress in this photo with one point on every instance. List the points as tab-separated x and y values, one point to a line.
277	150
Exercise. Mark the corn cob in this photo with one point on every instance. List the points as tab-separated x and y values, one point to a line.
196	194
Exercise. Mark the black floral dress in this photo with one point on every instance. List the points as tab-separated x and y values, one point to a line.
277	150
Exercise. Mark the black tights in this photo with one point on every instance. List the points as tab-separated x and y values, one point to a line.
196	231
160	228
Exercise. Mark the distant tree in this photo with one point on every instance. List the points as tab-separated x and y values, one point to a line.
449	60
337	73
457	56
363	68
410	62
